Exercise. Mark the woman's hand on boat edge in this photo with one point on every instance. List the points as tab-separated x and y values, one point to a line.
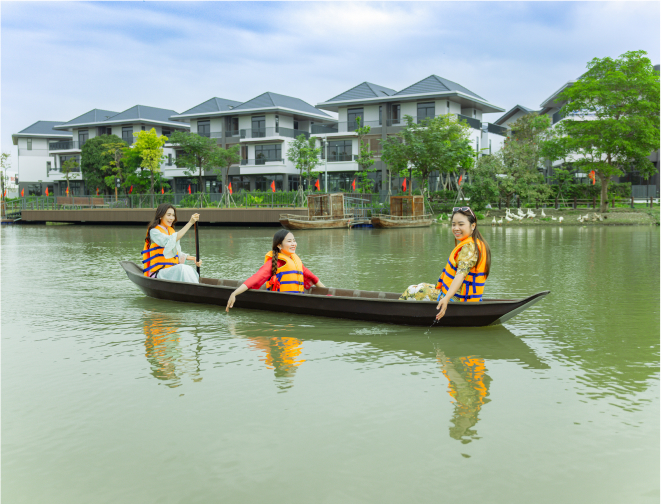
442	305
232	299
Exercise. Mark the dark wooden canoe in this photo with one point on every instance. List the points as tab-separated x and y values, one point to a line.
391	221
297	222
371	306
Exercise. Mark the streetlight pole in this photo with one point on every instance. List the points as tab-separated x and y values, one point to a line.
325	147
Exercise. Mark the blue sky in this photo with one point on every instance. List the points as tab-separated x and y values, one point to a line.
61	59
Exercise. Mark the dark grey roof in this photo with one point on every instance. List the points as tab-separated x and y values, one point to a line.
362	91
269	100
212	105
142	112
511	112
435	84
44	128
94	115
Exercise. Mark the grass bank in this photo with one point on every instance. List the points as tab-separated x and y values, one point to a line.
614	217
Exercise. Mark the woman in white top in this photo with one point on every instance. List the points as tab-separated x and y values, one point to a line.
161	255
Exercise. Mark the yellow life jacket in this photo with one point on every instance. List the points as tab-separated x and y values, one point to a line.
473	287
289	276
154	259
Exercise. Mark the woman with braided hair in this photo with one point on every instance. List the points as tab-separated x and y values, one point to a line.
282	271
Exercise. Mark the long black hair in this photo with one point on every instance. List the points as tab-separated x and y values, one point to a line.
278	238
476	236
160	213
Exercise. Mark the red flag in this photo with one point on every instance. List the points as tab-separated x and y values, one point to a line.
404	185
97	191
461	177
189	189
353	185
47	191
316	184
131	189
162	190
23	192
229	186
67	191
5	193
593	178
273	186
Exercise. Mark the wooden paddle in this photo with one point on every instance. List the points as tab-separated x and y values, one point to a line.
197	249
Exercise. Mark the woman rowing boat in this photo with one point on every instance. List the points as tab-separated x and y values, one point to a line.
161	255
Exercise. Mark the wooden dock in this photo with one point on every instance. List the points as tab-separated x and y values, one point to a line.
219	216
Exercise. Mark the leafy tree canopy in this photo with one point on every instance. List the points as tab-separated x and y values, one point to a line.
94	156
198	154
305	156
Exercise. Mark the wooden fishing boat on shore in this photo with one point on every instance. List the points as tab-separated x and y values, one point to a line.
405	211
371	306
294	222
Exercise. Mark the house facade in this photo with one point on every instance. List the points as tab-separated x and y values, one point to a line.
67	139
34	163
264	127
383	110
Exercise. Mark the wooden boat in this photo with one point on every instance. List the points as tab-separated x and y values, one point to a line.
370	306
397	221
290	221
406	211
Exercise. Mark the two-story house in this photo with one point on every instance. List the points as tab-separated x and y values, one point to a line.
264	127
34	163
104	122
383	110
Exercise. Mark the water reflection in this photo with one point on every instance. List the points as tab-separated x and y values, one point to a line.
282	355
164	351
468	387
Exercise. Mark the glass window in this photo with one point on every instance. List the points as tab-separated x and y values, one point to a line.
269	152
64	159
83	136
167	132
426	110
339	150
448	107
34	189
258	127
239	183
380	115
295	125
352	114
231	126
396	113
277	124
204	128
127	134
48	167
294	181
103	130
29	144
142	128
169	159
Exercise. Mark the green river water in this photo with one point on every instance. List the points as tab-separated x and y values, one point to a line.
112	397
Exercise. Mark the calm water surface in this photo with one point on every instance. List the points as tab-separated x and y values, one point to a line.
109	396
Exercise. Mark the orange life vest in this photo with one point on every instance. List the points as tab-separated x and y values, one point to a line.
154	259
473	287
289	276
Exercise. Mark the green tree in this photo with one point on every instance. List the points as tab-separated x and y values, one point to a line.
484	188
225	159
614	117
521	156
4	164
435	144
365	159
93	158
303	153
116	149
70	170
149	145
199	154
393	153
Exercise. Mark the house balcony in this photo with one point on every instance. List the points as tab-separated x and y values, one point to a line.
261	162
271	133
401	122
65	146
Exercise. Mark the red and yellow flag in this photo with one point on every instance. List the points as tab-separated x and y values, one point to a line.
461	178
353	185
67	191
97	191
273	186
189	192
47	191
316	184
593	177
229	186
162	190
404	185
23	192
131	189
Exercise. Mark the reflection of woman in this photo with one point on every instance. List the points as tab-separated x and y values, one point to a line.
282	355
469	388
282	271
161	254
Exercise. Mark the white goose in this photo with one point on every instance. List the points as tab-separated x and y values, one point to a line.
530	214
508	218
500	221
493	222
554	218
543	214
560	219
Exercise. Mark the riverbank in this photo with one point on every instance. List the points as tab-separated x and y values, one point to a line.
614	217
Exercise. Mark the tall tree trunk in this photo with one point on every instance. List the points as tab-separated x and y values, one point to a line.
603	206
151	188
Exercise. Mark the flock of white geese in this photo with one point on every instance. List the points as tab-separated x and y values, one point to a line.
520	215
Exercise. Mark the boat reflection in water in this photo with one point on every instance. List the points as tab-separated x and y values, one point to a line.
164	351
